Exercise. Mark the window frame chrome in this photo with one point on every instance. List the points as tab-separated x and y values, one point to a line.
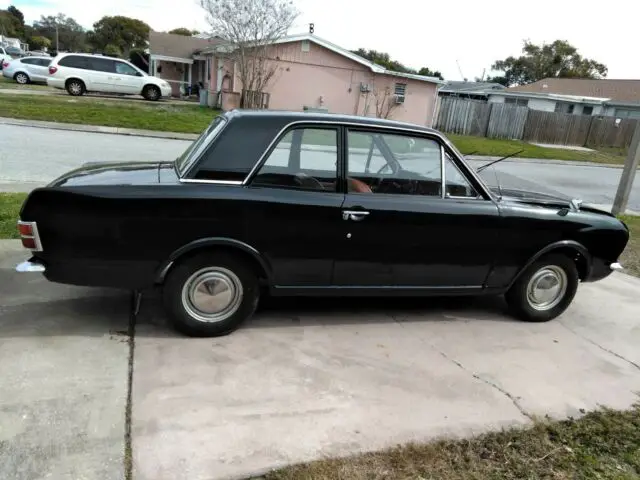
444	142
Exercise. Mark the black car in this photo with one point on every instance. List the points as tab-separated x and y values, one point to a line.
294	203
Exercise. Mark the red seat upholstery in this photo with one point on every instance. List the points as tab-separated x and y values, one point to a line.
358	186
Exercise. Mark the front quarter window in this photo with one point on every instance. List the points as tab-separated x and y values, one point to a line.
185	161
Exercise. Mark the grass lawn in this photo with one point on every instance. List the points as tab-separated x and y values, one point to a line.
95	111
630	258
600	445
10	204
501	148
8	83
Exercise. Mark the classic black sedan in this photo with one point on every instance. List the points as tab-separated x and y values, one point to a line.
294	203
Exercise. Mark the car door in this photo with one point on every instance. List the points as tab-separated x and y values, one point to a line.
102	74
293	207
128	79
39	69
402	230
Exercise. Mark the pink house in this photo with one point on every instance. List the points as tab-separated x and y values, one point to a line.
312	73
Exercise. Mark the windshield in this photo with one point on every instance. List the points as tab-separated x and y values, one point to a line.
185	161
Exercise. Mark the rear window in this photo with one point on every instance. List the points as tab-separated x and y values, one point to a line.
74	61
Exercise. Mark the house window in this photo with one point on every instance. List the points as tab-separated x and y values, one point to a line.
564	107
305	45
518	102
587	110
400	89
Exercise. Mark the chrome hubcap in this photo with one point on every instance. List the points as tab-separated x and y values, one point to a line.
76	88
212	294
547	287
21	78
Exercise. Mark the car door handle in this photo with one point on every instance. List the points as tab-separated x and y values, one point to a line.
354	215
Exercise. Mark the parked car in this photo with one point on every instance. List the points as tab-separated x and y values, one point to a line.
4	57
80	73
27	69
312	204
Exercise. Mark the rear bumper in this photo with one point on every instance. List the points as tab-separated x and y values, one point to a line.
55	82
31	266
601	269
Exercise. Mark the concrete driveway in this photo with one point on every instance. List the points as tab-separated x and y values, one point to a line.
302	380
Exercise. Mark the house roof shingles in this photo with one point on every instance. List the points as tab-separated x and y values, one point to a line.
627	91
178	46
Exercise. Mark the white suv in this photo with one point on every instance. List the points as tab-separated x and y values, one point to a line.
79	73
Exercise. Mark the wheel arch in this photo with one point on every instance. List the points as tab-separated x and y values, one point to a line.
22	72
571	248
236	247
69	79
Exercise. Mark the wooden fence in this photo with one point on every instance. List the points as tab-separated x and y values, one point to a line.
497	120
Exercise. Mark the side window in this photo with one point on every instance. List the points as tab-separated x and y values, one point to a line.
398	164
43	62
73	61
456	184
102	65
28	61
304	159
124	69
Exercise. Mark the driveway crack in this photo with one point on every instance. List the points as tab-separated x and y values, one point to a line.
489	383
604	349
136	297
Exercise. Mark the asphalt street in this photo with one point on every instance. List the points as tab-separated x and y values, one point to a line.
31	156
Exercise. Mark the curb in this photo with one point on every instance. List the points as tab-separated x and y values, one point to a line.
548	161
98	129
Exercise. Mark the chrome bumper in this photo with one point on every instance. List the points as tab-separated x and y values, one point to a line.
617	267
29	266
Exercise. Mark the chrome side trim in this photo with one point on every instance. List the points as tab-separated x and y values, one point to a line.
28	267
443	180
216	182
616	267
338	123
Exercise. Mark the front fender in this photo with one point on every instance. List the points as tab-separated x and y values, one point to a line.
562	245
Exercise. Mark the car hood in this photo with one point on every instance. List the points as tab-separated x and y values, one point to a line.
542	200
117	173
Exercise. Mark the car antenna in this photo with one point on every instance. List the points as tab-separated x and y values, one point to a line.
499	160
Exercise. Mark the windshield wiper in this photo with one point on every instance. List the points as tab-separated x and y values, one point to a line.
479	169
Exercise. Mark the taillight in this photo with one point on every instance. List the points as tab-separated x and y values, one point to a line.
52	70
5	64
29	235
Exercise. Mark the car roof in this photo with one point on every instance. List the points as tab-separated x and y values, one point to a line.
287	116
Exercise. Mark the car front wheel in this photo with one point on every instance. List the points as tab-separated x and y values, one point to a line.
545	289
152	93
210	294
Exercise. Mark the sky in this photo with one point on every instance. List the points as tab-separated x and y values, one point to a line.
460	39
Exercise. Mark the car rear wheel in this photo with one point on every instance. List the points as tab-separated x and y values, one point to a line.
21	78
545	289
75	87
210	294
151	92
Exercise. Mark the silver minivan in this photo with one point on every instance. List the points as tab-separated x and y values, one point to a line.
27	69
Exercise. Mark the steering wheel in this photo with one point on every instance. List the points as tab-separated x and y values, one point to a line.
307	181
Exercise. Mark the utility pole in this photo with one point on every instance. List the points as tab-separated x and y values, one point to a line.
628	173
57	39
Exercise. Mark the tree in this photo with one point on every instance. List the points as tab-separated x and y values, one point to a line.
10	25
250	28
123	33
558	59
111	50
19	16
184	31
385	104
430	73
384	60
39	42
71	35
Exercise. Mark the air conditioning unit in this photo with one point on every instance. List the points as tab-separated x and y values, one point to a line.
365	88
399	98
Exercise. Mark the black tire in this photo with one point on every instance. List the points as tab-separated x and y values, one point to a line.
222	269
76	87
549	268
22	78
151	93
